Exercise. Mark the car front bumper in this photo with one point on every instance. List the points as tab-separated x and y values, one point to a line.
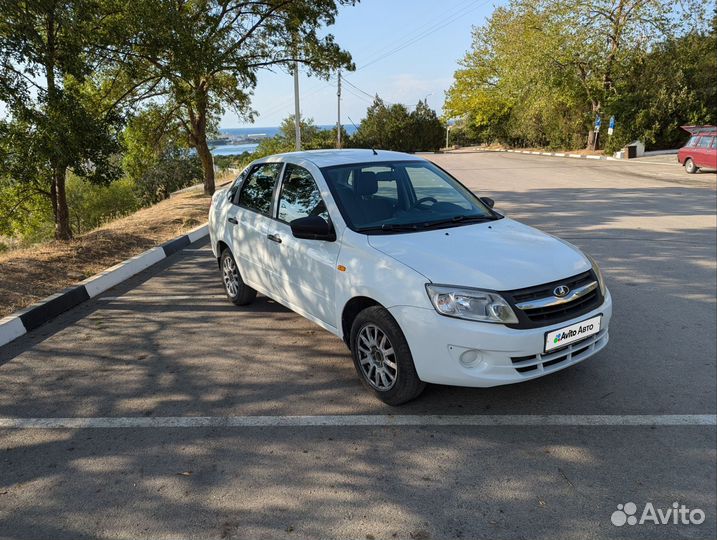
443	346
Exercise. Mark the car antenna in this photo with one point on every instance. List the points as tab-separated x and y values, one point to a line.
356	128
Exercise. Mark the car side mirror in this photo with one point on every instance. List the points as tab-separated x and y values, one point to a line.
488	201
313	228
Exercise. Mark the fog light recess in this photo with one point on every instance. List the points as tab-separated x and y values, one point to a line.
470	358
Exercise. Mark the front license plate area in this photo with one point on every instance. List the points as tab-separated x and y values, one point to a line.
557	339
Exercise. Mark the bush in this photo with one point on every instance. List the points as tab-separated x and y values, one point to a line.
174	171
25	217
92	205
395	128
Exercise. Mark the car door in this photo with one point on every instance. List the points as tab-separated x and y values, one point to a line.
305	269
705	152
250	219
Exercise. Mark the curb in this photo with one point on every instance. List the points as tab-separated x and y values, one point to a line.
561	154
577	156
21	322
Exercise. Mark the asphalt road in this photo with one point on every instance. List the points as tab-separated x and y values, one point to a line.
137	366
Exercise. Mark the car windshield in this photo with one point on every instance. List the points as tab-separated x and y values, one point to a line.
402	196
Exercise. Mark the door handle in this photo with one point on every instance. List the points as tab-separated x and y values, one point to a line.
274	238
233	221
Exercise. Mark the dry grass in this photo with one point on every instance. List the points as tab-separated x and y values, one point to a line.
27	275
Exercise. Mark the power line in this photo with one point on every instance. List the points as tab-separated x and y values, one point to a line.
357	88
449	20
411	34
396	46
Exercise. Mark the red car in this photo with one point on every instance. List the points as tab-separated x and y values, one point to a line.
701	150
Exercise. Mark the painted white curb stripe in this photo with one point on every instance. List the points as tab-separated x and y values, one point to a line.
360	420
122	271
199	232
11	327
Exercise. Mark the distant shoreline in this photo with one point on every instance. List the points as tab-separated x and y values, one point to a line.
236	141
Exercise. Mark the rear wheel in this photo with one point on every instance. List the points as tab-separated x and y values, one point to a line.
237	291
382	357
690	166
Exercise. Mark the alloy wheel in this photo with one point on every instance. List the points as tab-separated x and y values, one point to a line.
377	358
230	274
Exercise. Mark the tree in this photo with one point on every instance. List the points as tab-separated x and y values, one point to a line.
673	85
57	117
385	126
393	127
428	132
203	56
539	72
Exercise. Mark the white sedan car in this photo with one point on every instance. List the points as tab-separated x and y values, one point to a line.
422	279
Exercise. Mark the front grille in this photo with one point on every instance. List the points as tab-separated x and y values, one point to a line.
545	316
559	358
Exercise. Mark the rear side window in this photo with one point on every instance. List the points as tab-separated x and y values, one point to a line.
258	189
706	142
300	196
232	193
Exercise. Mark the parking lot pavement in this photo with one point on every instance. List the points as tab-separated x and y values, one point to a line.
137	367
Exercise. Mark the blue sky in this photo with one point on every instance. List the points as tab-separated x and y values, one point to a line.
431	35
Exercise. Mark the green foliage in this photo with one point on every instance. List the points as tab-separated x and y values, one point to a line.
149	136
91	205
203	56
539	72
312	138
57	117
26	217
393	127
672	85
174	171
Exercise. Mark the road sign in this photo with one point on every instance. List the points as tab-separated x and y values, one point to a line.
611	126
598	122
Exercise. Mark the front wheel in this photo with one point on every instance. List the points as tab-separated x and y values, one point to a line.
382	357
690	166
237	291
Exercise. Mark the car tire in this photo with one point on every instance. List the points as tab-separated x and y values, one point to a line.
237	291
690	166
382	357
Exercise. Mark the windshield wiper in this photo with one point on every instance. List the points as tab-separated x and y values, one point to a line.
458	220
390	227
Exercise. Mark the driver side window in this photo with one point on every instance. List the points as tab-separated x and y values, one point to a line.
300	196
256	192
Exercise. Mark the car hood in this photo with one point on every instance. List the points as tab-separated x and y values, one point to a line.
499	255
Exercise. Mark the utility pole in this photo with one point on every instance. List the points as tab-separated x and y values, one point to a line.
297	108
448	128
338	116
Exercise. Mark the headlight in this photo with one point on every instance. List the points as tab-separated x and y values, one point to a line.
471	304
598	274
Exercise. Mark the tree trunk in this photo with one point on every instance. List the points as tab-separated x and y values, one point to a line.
63	231
205	155
197	112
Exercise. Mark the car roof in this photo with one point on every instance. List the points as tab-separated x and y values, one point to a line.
329	158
